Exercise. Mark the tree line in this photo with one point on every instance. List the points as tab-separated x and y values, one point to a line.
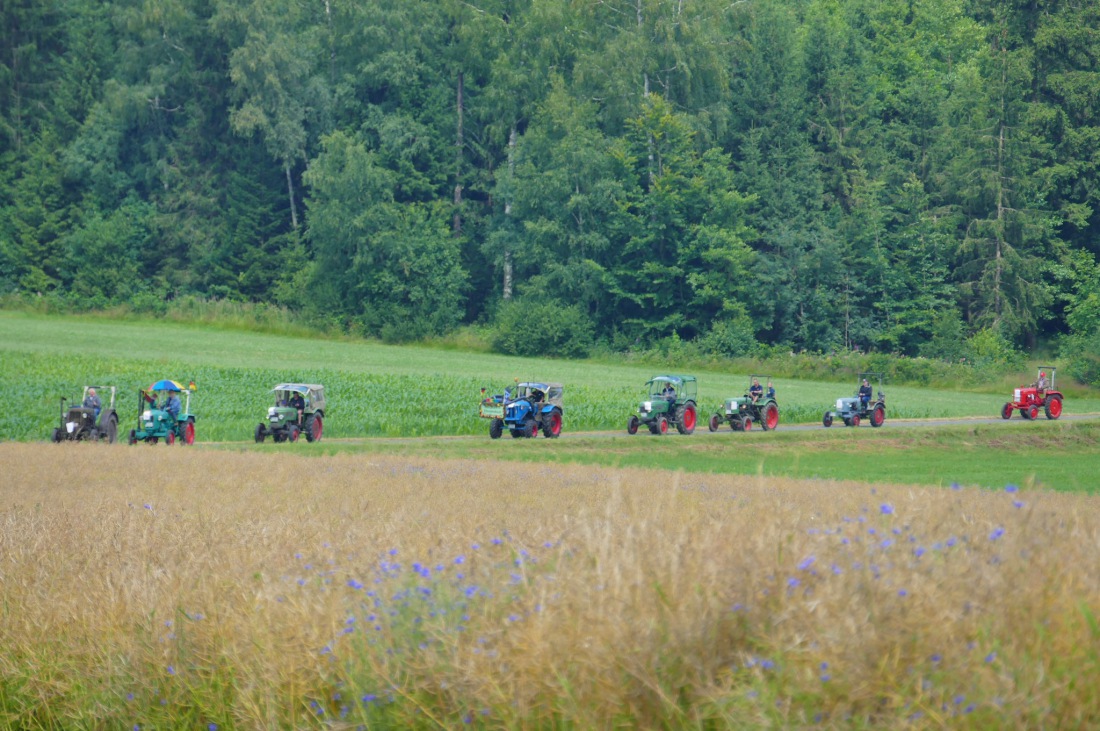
884	175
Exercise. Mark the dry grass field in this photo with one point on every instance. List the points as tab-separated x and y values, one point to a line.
193	589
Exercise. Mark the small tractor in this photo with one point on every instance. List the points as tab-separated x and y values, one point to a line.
83	421
670	401
299	409
757	406
864	405
1041	393
531	406
166	418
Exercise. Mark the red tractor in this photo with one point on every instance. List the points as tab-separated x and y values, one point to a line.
1041	393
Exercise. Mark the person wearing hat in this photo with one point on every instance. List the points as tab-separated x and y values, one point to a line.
1041	384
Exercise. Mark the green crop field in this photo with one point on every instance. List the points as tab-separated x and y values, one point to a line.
373	389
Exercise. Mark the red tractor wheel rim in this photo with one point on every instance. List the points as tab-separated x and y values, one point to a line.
1033	412
1055	407
663	426
189	433
747	425
170	439
318	427
555	423
689	418
714	423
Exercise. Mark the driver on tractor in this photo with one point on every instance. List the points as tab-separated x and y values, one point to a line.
865	393
91	401
1041	384
756	390
172	404
669	393
299	403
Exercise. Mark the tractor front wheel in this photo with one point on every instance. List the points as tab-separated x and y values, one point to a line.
133	437
552	428
188	434
827	419
1033	412
746	424
56	437
662	426
170	439
1006	411
261	433
632	425
771	417
1053	407
855	420
714	422
496	428
878	415
292	433
530	427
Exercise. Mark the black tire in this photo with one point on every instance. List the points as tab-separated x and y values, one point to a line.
1026	413
714	422
133	437
878	416
496	428
686	419
551	427
530	427
855	420
632	425
769	417
827	419
314	428
112	429
1033	412
260	434
292	433
1053	407
1006	411
170	438
847	421
746	424
660	426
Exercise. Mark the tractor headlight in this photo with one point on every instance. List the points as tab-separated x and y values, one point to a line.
70	426
1016	395
647	406
146	415
840	404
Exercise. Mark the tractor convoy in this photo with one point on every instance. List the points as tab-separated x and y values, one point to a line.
523	409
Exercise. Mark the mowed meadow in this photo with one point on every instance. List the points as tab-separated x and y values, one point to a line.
222	589
372	389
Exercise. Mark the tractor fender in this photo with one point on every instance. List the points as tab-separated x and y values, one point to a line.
105	416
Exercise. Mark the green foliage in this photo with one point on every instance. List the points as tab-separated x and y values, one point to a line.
545	328
987	349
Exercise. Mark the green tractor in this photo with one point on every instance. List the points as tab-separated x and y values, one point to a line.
164	417
757	406
670	401
299	409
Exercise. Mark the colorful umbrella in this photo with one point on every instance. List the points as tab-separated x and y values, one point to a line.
166	384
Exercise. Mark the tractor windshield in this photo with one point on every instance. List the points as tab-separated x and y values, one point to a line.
663	388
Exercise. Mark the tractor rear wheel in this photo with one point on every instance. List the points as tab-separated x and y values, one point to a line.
188	434
771	417
112	429
1006	411
1033	412
685	421
661	426
827	419
714	422
551	429
632	425
878	415
496	428
1053	407
261	432
315	426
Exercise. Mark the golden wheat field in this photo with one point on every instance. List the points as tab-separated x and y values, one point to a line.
172	588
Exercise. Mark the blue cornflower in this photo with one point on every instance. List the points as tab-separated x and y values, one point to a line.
997	533
806	563
956	486
460	559
474	547
171	670
1018	503
211	727
1011	488
496	541
793	582
918	551
887	509
148	506
991	656
936	658
903	593
355	584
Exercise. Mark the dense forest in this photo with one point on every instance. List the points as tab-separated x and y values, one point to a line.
882	175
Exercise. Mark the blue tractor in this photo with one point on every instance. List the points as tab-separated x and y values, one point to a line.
524	410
